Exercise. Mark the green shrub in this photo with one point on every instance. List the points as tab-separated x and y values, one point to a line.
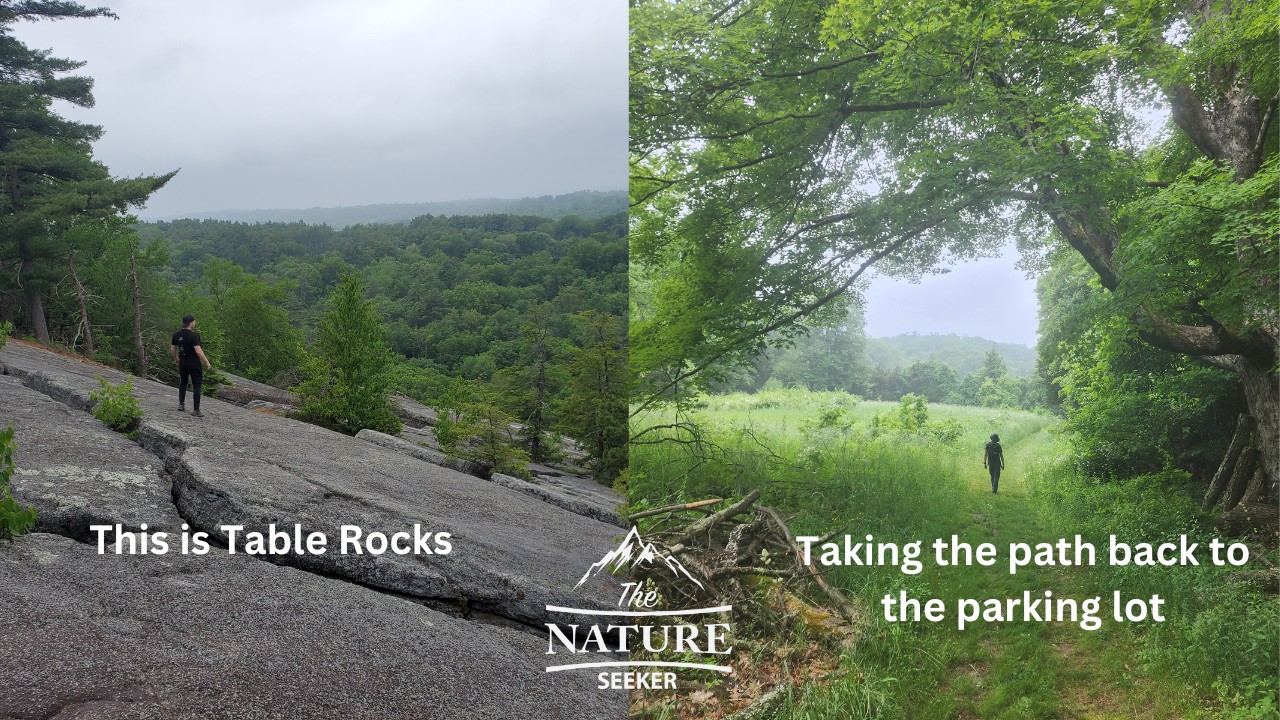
481	432
211	380
6	327
14	519
116	406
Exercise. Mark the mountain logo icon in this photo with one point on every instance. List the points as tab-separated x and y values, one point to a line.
634	552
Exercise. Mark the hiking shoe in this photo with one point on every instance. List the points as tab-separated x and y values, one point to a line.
182	408
197	413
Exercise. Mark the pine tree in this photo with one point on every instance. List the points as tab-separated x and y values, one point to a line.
347	373
529	388
48	177
596	411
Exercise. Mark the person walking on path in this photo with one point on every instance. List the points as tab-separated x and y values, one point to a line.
187	354
993	459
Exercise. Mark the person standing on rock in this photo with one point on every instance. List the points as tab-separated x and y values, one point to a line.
993	459
187	354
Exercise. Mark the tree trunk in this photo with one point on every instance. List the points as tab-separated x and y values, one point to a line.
1254	493
1262	392
1239	441
137	311
84	309
35	307
1240	478
536	451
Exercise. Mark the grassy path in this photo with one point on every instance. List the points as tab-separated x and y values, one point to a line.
902	491
1019	669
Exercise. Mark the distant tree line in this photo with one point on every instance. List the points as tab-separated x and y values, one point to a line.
835	357
586	204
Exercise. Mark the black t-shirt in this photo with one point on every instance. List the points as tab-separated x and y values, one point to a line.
994	453
187	342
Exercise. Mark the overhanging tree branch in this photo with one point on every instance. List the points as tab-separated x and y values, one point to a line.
805	309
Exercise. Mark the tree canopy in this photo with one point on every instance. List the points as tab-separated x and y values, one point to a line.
49	180
781	149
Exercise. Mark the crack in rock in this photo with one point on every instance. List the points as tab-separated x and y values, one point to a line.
513	554
82	628
111	637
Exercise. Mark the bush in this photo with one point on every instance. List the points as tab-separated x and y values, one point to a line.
14	519
116	406
6	327
481	432
211	380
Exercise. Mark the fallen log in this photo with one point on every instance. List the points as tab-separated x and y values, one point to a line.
699	527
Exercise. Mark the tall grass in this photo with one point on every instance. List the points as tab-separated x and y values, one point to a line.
818	456
825	461
1221	638
837	464
787	412
894	482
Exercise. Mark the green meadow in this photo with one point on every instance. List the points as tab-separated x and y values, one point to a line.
905	472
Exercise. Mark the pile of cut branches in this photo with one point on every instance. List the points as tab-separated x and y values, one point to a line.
728	551
789	625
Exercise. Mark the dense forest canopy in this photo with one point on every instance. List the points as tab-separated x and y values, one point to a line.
452	290
454	298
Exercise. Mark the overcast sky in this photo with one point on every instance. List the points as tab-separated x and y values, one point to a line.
987	298
319	103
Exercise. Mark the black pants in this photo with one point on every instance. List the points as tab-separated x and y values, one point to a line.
995	478
196	374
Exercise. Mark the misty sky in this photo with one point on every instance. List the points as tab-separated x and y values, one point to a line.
318	103
988	298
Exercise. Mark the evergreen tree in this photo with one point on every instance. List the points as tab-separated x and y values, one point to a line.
347	373
596	411
531	385
48	177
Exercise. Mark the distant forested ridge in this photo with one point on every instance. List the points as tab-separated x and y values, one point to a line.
836	354
453	291
585	204
963	353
